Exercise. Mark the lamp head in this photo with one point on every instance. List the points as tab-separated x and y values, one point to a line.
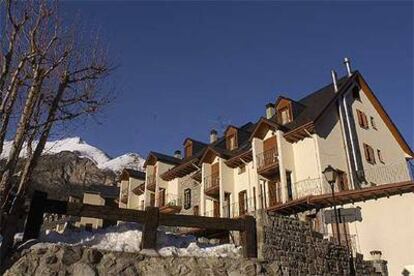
330	174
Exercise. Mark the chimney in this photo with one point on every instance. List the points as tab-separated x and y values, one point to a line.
376	255
213	136
177	154
333	74
270	110
347	63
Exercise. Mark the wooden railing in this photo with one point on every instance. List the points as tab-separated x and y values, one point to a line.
151	218
211	181
266	158
151	182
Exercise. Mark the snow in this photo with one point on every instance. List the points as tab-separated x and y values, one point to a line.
126	237
130	160
84	150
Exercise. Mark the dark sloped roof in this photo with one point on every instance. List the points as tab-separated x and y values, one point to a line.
315	103
166	158
135	174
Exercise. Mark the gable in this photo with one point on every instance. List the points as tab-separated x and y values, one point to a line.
384	116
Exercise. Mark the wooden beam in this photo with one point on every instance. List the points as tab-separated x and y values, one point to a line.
249	237
200	221
149	232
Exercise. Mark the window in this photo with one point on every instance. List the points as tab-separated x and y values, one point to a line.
187	198
284	115
231	142
362	119
380	158
355	93
242	169
188	150
374	126
196	210
369	154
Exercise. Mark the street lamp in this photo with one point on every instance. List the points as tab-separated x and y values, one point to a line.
331	174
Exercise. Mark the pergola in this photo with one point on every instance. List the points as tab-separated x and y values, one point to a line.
312	202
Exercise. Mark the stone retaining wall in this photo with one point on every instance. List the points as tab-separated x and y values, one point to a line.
295	249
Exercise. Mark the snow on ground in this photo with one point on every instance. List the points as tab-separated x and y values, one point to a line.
84	150
127	238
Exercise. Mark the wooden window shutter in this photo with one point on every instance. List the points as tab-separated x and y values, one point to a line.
359	115
215	169
269	144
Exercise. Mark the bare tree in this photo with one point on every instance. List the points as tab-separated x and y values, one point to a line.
58	76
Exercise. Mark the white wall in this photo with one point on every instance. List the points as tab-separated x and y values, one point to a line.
382	139
387	225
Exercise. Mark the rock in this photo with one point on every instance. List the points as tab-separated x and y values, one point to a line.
82	269
93	256
71	255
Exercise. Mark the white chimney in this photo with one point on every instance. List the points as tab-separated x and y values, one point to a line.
177	154
347	63
333	74
213	136
270	110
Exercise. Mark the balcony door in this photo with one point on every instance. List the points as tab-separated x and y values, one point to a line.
215	173
242	202
274	192
216	208
161	197
269	151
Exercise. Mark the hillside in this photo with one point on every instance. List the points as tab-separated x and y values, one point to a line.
69	165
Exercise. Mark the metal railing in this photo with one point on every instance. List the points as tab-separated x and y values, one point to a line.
266	158
169	200
389	173
211	181
235	209
310	186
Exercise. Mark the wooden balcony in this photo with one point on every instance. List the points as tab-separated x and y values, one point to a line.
139	190
212	185
268	163
151	183
169	203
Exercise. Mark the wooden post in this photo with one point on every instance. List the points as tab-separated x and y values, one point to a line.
35	217
149	233
249	238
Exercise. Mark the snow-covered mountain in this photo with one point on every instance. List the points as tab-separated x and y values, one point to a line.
84	150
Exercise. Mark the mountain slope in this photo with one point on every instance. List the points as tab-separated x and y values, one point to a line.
83	150
69	166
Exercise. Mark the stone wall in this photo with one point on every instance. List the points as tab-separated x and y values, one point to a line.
294	249
60	260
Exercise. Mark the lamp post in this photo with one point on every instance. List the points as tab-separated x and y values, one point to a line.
331	174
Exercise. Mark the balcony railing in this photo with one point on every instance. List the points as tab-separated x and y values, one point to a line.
169	203
139	190
151	180
389	173
266	159
211	181
236	209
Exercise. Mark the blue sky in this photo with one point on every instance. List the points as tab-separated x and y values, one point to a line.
187	67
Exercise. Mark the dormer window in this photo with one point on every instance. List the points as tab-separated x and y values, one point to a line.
284	115
231	138
188	148
231	142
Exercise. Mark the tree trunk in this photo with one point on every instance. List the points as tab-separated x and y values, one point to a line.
20	135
